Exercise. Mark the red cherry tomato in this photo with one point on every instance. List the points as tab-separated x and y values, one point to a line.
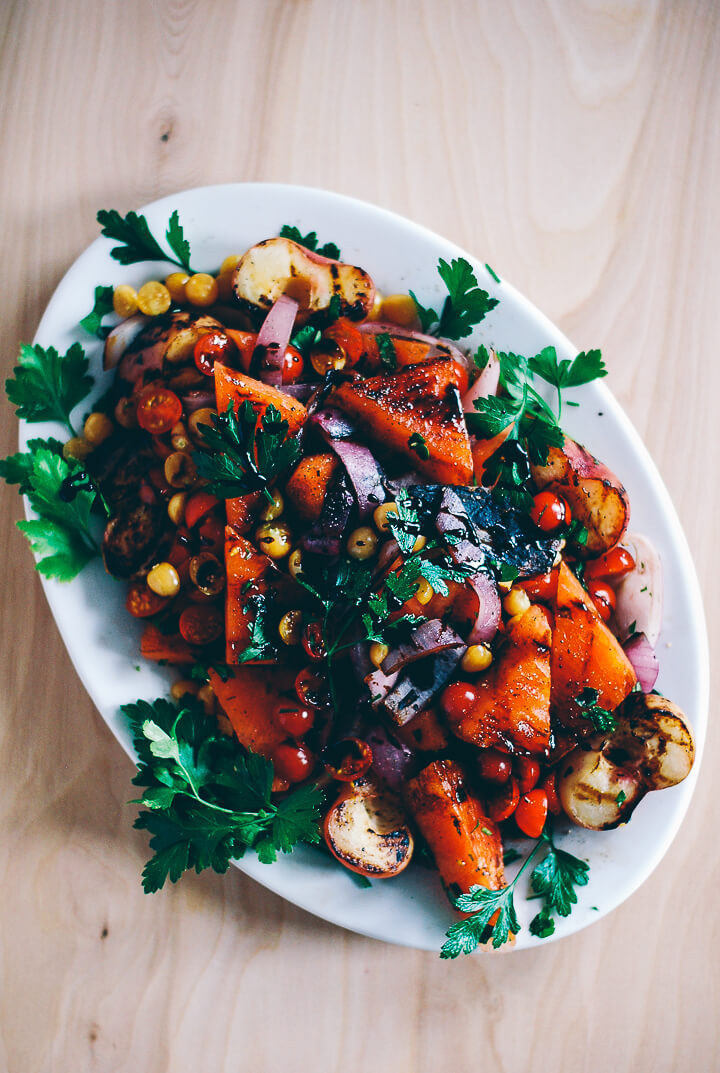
349	337
293	718
313	642
215	346
459	699
312	688
201	624
143	602
211	533
494	766
542	587
293	762
615	563
603	597
549	785
293	366
198	506
549	512
158	409
503	803
531	813
527	771
347	759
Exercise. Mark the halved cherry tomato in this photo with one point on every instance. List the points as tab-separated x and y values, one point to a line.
158	409
549	785
201	624
313	641
603	597
212	347
542	587
143	602
494	766
615	563
197	506
293	366
312	688
293	762
531	813
293	718
348	759
527	771
549	512
349	337
503	803
459	699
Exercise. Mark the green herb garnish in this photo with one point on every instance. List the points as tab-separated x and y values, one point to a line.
601	718
417	444
310	242
466	305
246	452
48	385
138	242
93	322
386	349
208	799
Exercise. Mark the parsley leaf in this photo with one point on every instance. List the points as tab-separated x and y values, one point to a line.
247	452
305	339
417	444
386	349
466	935
259	645
207	798
138	242
310	242
61	536
554	880
465	306
48	385
103	305
601	718
585	367
17	468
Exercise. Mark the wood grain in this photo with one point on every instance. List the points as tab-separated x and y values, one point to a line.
574	147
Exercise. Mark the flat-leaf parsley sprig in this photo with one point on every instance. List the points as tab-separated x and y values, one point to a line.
208	799
520	411
310	242
554	880
49	385
466	305
137	242
246	452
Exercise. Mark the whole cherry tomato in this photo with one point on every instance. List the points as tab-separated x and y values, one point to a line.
549	512
158	409
198	505
212	347
313	641
503	802
541	587
527	771
293	366
459	699
603	597
531	813
293	762
615	563
294	719
494	766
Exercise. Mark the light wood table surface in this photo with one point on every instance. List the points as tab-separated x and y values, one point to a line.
573	146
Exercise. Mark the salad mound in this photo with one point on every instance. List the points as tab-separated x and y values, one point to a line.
407	617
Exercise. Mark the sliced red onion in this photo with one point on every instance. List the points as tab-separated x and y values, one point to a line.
645	663
359	462
325	536
392	760
407	698
301	392
379	685
486	384
428	639
488	616
198	400
639	595
120	339
273	339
